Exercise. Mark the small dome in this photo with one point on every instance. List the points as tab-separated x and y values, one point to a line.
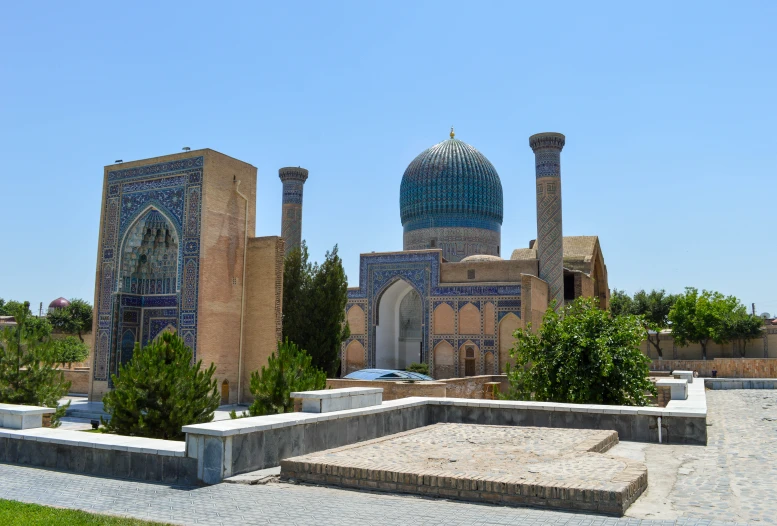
59	303
480	257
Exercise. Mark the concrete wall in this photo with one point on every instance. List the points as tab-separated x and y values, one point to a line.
264	297
726	367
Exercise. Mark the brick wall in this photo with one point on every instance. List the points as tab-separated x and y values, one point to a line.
469	387
726	367
78	378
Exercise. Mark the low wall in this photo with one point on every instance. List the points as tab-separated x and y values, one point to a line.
471	387
99	454
726	367
739	383
393	390
232	447
78	378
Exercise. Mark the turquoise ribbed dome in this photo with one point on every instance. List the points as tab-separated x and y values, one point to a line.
451	185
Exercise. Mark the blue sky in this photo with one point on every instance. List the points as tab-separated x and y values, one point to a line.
669	111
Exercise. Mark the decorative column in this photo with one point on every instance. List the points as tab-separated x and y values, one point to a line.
291	221
550	241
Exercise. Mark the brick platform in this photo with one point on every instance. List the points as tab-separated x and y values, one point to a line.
558	468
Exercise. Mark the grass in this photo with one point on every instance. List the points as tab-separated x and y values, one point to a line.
14	513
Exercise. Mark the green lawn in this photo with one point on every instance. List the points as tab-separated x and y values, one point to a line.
14	513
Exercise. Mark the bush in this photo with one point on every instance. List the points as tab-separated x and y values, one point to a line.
582	356
159	391
69	350
28	373
288	370
416	367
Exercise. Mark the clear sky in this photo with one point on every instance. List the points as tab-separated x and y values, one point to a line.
669	109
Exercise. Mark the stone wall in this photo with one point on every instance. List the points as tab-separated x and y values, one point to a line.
469	387
726	367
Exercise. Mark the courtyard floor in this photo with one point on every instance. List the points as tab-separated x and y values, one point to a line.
731	480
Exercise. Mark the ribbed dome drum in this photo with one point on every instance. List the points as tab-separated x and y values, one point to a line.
451	198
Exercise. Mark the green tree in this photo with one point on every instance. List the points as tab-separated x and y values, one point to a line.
69	350
314	299
160	390
28	373
741	327
289	369
3	311
582	355
702	317
620	303
74	319
653	307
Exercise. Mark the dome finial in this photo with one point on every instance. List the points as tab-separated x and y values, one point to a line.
453	134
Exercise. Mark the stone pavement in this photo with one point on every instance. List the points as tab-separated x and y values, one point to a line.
734	478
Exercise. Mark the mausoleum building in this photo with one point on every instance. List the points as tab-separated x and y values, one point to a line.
449	299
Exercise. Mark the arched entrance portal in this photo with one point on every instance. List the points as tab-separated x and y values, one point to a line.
398	334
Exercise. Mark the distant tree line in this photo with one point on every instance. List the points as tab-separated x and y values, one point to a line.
693	316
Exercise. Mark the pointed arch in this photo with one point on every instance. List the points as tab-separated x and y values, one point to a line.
469	319
444	319
469	359
354	356
444	360
356	320
149	254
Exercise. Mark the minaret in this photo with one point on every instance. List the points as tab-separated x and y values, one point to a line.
550	241
291	221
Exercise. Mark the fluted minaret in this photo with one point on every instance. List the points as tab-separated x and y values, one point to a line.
291	222
550	240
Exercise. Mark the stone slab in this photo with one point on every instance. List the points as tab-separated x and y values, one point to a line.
556	468
685	375
678	387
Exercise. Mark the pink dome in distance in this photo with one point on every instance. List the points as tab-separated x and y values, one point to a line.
59	303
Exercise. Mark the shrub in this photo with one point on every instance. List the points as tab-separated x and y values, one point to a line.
582	356
159	391
69	350
28	373
416	367
288	370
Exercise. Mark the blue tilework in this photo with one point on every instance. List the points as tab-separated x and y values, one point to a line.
449	179
421	270
169	194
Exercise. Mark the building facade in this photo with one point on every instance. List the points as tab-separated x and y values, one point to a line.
448	299
176	253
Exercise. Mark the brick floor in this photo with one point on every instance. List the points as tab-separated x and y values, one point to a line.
553	468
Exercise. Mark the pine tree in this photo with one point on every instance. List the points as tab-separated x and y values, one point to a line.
159	391
28	373
288	370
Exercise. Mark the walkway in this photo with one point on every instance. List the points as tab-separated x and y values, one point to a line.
732	479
